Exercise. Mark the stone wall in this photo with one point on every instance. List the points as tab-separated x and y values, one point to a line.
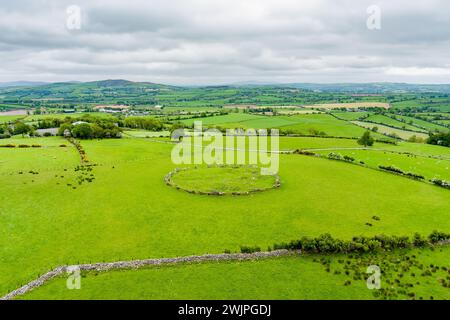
135	264
168	180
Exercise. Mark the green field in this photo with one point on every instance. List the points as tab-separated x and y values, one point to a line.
445	122
298	277
324	123
4	119
402	134
423	124
36	117
385	120
350	116
119	205
428	167
307	124
146	134
128	212
225	179
229	118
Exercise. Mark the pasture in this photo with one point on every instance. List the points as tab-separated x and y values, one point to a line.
402	134
426	125
297	277
349	105
306	124
128	212
387	121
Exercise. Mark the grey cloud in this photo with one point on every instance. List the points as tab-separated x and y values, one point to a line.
203	41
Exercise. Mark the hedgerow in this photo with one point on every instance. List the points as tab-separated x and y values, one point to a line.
441	183
249	249
325	243
401	172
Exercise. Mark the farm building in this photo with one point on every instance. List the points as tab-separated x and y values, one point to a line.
112	108
78	122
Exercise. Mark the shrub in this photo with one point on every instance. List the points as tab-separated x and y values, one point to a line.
325	243
304	152
22	128
419	241
142	123
441	183
366	139
391	168
416	139
23	146
401	172
348	158
437	236
63	146
36	146
335	156
248	249
414	175
47	134
442	139
9	145
338	156
82	131
64	127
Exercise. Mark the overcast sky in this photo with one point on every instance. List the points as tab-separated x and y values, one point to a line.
225	41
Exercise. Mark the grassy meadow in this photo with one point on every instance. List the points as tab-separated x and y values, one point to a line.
128	212
295	277
55	210
402	134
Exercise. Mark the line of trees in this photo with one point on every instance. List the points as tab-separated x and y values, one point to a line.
19	127
142	123
102	130
366	139
442	139
325	243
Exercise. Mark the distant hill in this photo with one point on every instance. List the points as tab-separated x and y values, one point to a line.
370	88
112	91
22	84
112	83
375	87
125	92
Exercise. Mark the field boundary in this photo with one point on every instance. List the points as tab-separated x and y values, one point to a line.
379	150
136	264
169	181
79	148
311	153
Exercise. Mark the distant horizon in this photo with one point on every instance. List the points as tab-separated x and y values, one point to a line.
238	83
198	43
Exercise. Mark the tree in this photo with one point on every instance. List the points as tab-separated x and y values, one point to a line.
22	128
63	128
82	131
442	139
97	131
366	140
